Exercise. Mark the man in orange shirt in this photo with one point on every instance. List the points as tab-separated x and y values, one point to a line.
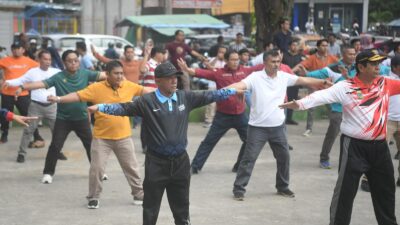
317	61
14	67
131	66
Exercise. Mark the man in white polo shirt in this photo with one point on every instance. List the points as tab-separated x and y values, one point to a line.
267	121
39	105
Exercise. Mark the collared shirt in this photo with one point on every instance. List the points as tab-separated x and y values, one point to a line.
365	107
164	99
332	72
316	62
225	77
106	126
14	68
37	74
66	83
165	131
282	40
148	78
5	114
267	93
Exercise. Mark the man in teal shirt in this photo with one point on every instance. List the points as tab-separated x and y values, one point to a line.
70	116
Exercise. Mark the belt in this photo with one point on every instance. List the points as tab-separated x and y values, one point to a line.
169	157
42	103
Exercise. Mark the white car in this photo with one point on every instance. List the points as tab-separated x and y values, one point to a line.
63	42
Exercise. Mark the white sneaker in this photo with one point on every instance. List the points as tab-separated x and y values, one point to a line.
307	133
47	179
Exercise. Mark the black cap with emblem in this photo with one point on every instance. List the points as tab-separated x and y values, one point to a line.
166	69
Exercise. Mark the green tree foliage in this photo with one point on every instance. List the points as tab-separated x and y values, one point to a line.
383	10
268	13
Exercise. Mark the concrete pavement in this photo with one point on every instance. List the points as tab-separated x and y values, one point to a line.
24	200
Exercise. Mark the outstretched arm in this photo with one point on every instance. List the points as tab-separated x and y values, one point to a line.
117	109
71	97
313	83
322	97
99	57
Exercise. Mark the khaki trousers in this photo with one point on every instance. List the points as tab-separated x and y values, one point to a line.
124	150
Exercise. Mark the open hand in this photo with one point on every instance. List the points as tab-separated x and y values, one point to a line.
93	108
289	105
24	120
52	98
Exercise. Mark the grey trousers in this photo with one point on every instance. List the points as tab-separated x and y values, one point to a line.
257	137
310	113
335	119
46	113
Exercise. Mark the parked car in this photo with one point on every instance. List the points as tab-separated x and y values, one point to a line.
64	42
208	40
307	42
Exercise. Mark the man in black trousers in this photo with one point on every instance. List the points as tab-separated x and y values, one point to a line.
165	116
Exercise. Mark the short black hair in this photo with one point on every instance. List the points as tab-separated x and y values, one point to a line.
81	45
67	52
354	41
319	42
229	53
283	20
344	47
331	35
42	52
267	44
156	50
243	50
112	65
272	53
222	46
293	40
395	62
220	38
178	31
239	34
127	47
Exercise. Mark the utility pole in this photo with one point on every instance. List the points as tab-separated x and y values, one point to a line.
168	6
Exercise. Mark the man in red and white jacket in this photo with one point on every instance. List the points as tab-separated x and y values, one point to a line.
363	148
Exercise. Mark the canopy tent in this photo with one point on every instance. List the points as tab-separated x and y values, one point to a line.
174	21
394	23
162	27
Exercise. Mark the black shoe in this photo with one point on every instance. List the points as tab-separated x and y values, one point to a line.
364	185
391	142
93	204
194	170
4	138
61	156
238	196
20	158
398	182
397	156
291	122
290	147
286	193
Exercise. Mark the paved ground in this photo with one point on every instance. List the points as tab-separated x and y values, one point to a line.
24	200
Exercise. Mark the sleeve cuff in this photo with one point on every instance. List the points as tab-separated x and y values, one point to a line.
9	116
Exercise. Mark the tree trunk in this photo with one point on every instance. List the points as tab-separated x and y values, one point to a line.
268	14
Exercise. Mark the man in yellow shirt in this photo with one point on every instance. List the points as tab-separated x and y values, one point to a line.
110	133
